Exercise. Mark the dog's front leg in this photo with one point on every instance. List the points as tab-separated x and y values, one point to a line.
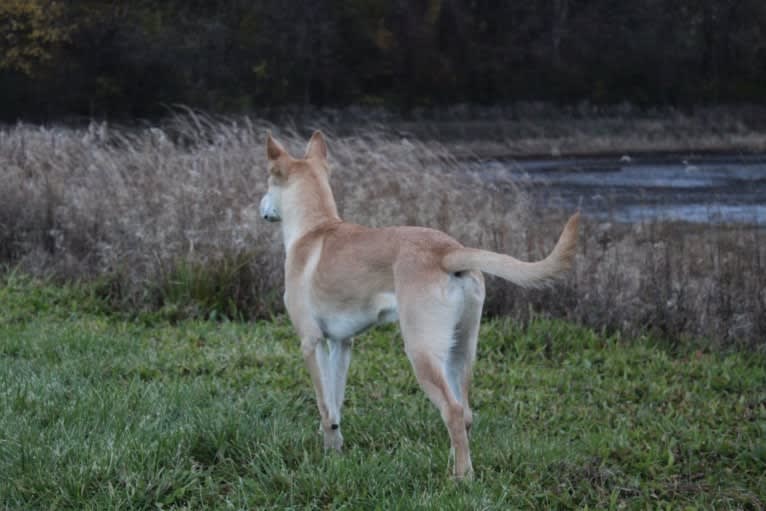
317	359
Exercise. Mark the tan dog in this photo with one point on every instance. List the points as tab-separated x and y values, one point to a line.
342	278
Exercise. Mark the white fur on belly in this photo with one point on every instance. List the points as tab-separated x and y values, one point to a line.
343	324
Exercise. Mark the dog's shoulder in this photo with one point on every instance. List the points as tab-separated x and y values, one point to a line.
301	250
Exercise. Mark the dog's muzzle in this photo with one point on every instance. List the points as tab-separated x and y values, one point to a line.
268	211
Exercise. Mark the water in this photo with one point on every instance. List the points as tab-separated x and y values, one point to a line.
717	189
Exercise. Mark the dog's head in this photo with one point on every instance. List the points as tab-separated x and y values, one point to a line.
286	173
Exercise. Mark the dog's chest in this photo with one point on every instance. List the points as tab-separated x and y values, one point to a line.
342	323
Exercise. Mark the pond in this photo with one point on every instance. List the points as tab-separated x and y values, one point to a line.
710	188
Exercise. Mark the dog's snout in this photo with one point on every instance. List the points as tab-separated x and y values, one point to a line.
269	210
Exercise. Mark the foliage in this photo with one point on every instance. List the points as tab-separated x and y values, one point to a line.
136	58
30	32
101	413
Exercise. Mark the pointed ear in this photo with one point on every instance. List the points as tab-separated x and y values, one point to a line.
317	147
274	149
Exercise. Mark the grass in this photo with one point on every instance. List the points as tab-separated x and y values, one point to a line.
538	129
552	138
102	412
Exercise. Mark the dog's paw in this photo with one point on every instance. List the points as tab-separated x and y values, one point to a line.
333	440
467	477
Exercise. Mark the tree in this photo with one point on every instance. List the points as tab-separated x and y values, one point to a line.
30	33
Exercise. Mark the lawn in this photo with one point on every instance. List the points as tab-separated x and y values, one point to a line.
103	411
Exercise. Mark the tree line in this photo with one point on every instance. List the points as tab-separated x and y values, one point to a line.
135	58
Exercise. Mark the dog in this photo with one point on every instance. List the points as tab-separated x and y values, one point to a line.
342	278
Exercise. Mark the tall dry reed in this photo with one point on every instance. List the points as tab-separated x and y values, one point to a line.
165	218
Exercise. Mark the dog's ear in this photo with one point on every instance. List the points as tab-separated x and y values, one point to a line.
317	147
275	152
274	149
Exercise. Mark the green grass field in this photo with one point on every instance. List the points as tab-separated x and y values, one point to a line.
102	412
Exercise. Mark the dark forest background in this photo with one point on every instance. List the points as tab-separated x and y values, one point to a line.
125	59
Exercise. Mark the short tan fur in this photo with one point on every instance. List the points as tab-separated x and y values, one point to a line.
342	278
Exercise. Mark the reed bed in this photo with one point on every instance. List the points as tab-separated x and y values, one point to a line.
163	219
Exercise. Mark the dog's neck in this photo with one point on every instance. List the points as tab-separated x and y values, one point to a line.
310	205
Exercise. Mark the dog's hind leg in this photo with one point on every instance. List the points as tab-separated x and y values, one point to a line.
429	370
428	338
462	355
459	368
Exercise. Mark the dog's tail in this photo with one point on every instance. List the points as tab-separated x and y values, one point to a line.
521	273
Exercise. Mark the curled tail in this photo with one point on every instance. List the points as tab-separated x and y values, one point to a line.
524	274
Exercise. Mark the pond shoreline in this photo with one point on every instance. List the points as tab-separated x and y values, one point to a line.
712	189
660	156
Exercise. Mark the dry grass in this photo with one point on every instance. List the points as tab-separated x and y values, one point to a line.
158	211
542	129
615	135
672	279
165	219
